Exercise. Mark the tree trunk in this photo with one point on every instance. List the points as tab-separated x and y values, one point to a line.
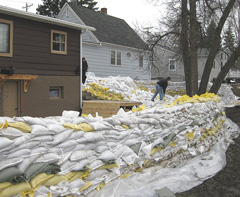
185	46
214	48
193	48
225	69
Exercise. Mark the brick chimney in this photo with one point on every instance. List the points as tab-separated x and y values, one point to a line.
104	10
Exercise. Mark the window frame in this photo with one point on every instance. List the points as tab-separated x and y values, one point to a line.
60	89
10	53
169	65
116	59
52	41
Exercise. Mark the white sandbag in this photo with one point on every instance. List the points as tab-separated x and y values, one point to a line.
23	139
43	138
56	128
5	142
19	153
103	173
58	138
98	126
42	191
26	163
131	141
34	121
64	157
81	165
67	144
107	156
48	158
112	121
67	167
81	154
39	150
9	162
79	147
96	164
79	120
11	133
76	135
76	184
101	148
29	145
70	114
40	130
93	136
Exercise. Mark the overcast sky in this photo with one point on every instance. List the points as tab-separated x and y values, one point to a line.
132	11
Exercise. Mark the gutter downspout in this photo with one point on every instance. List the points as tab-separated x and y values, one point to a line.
80	73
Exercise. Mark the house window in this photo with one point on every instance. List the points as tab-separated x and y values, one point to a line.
172	65
56	92
58	42
141	61
116	58
6	38
129	55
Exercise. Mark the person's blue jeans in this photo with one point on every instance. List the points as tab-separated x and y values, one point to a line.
159	91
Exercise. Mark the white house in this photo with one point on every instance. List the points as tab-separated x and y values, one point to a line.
114	48
169	63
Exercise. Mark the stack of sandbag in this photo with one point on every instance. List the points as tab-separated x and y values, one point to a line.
80	155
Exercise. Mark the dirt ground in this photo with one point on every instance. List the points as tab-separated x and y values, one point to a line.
227	182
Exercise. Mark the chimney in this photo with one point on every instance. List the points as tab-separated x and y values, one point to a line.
104	10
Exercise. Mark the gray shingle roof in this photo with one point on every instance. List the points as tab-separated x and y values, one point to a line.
109	29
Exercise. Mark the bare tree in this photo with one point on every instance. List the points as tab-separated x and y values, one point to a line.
186	22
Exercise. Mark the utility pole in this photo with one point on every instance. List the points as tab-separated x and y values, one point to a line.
27	6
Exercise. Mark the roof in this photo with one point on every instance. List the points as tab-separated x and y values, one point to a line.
44	19
109	29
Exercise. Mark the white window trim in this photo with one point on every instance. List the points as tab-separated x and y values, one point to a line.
115	62
10	54
169	65
59	52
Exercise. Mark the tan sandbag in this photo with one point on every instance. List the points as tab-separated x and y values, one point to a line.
16	189
109	166
4	185
40	179
55	180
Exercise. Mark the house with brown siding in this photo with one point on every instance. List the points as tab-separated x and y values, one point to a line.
38	59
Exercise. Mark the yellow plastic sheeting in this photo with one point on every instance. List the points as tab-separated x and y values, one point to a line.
20	126
16	189
142	107
103	93
80	127
4	125
195	99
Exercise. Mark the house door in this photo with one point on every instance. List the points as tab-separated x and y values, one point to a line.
10	104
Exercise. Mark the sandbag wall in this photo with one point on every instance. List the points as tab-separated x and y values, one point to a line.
60	156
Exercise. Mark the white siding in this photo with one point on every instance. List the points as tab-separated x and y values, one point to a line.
98	58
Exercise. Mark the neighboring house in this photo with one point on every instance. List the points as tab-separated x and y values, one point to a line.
234	72
169	63
114	48
38	59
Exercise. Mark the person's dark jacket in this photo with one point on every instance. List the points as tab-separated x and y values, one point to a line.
163	83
